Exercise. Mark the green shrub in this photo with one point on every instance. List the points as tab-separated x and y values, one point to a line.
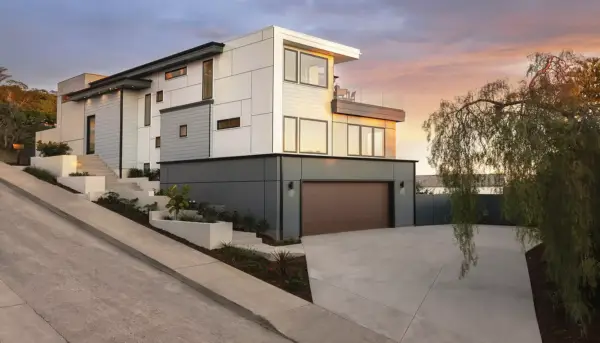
160	192
125	207
152	174
178	200
80	174
41	174
262	226
135	172
53	148
186	217
282	259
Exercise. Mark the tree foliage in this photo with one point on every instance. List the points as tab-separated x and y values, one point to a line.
23	111
543	134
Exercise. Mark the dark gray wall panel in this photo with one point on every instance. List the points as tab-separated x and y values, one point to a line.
292	168
271	168
404	171
346	169
291	210
271	208
404	203
246	169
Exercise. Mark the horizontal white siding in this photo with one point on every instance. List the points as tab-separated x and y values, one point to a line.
106	108
130	131
197	143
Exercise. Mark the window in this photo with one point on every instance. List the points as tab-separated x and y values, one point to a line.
159	96
366	141
313	136
183	131
146	167
290	134
291	65
176	73
148	110
207	80
353	140
228	123
157	142
378	142
313	70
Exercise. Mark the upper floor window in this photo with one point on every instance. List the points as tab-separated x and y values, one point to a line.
176	73
207	79
182	130
228	123
291	65
159	96
313	70
366	141
148	110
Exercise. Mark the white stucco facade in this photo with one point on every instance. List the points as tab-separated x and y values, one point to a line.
247	83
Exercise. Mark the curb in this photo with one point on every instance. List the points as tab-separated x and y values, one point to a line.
221	300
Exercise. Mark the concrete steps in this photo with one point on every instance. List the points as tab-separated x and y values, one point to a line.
245	238
94	165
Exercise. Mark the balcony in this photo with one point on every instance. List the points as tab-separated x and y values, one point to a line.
344	102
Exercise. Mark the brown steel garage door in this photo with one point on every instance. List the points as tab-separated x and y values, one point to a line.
329	207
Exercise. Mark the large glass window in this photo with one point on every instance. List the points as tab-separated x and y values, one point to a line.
148	110
207	80
290	134
313	70
313	136
175	73
366	141
353	140
378	142
291	65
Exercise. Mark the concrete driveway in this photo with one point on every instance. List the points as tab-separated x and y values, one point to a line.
403	283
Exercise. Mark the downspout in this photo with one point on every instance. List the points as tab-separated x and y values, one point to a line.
121	137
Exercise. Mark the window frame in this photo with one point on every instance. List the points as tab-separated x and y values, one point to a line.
148	109
300	136
184	73
297	64
184	126
297	129
360	140
159	96
157	142
147	164
326	70
206	96
239	123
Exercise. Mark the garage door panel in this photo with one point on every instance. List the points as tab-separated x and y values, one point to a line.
329	207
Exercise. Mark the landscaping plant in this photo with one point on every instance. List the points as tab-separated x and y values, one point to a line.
178	199
135	172
282	259
41	174
544	136
52	148
152	174
80	174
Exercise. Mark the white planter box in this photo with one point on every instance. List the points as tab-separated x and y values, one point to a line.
57	165
206	235
143	182
84	184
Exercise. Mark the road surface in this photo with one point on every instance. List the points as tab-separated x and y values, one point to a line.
86	290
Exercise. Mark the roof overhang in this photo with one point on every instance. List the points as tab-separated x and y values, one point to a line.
119	84
341	53
354	108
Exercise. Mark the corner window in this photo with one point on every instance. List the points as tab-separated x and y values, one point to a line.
313	136
290	134
159	96
157	142
176	73
183	131
207	80
313	70
228	123
366	141
148	110
290	72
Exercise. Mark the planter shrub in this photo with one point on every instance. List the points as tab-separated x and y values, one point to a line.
80	174
135	172
41	174
53	148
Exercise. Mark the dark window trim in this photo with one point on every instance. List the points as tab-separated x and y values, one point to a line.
326	137
176	69
212	83
360	140
297	135
297	65
157	142
186	131
89	151
161	96
239	123
326	70
148	109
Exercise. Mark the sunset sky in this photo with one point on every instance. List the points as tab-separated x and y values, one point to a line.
415	52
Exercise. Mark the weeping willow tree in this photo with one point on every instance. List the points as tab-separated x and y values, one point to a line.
543	134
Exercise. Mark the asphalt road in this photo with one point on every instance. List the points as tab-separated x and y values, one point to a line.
89	291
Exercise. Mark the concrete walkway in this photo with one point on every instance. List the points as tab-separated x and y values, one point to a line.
403	283
247	297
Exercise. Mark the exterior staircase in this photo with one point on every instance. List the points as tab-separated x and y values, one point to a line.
95	166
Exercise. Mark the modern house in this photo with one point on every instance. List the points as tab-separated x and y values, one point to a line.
254	123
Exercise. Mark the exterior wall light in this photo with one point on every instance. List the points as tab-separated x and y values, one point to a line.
291	190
